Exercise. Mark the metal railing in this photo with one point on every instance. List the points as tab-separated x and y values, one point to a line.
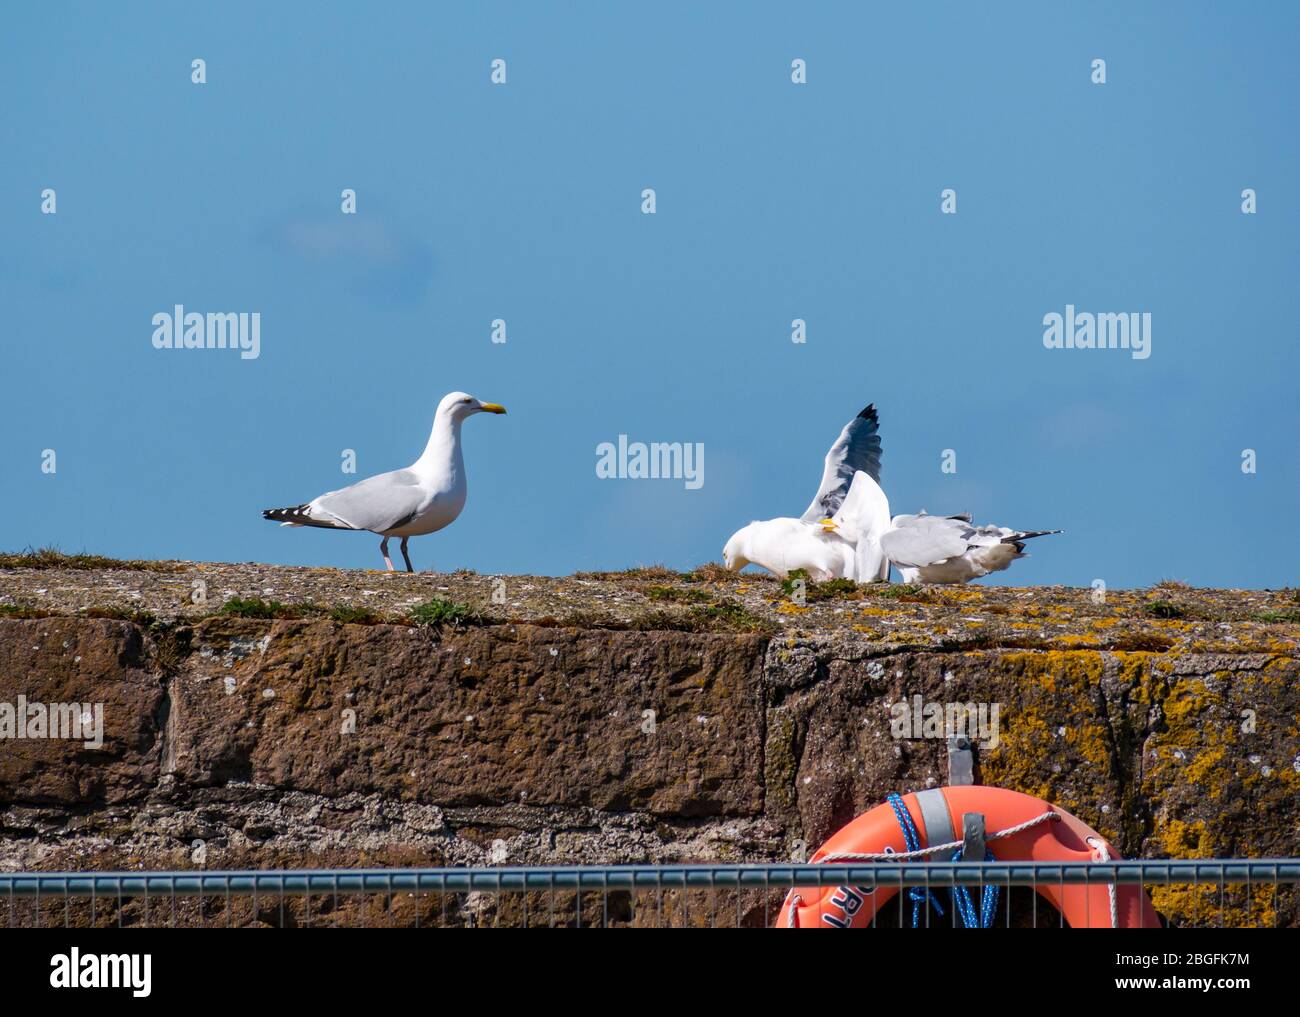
1218	892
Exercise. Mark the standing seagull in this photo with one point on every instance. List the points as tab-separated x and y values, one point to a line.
423	498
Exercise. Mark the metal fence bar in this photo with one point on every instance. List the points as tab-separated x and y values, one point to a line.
297	882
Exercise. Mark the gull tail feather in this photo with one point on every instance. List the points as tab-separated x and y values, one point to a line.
297	515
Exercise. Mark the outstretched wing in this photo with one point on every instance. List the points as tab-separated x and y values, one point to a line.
923	540
857	448
379	503
864	513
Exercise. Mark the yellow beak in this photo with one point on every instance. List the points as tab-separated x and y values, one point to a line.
492	407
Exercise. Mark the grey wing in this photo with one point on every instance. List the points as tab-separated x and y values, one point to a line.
378	503
857	448
924	540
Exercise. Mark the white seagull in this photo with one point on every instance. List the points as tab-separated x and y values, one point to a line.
951	549
837	537
423	498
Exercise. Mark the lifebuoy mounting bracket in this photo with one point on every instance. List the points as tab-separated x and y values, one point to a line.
973	843
961	762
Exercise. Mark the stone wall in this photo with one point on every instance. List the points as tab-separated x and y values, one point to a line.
643	717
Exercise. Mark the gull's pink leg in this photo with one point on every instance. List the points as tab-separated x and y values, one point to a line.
383	549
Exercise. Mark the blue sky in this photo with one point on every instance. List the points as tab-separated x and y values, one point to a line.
775	201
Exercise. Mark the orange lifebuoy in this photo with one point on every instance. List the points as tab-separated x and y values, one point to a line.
1047	834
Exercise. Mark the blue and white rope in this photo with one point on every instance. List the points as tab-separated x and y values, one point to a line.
916	894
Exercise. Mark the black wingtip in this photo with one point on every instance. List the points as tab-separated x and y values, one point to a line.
869	413
284	515
1016	538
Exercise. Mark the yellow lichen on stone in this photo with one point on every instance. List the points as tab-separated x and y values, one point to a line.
1077	640
1186	840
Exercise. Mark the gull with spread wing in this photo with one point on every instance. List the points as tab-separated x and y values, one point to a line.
838	534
